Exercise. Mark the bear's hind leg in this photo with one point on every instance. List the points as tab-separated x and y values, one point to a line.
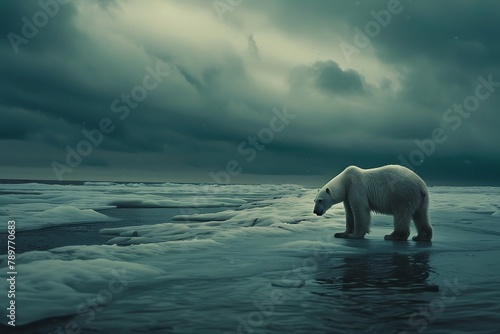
424	229
401	228
349	222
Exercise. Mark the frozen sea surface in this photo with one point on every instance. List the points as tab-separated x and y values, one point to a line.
245	259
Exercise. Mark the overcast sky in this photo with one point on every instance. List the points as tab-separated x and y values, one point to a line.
249	91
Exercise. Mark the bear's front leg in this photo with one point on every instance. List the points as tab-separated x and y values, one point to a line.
349	222
356	235
361	223
349	235
396	236
422	238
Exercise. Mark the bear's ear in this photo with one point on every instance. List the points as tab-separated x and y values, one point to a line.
328	191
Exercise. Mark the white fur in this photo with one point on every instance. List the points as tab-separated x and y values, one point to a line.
392	190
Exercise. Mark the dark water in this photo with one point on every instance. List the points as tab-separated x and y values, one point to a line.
88	233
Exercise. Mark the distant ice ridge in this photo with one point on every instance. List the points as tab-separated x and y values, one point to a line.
483	200
36	206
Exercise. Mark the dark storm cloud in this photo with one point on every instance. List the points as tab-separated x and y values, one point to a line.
226	78
331	77
28	125
70	89
44	75
328	76
38	26
458	32
448	43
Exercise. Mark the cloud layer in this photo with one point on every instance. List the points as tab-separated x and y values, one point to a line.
65	66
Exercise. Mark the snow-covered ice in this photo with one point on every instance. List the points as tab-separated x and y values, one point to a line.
43	205
262	264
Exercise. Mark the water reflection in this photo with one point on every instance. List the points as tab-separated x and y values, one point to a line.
379	271
373	293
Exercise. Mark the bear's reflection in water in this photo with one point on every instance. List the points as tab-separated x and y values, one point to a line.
372	293
380	271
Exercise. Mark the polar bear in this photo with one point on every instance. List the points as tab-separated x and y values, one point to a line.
393	190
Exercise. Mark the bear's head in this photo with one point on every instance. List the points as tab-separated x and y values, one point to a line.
323	201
